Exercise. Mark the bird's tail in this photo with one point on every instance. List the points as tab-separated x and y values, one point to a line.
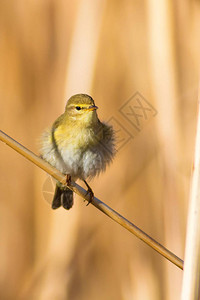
62	196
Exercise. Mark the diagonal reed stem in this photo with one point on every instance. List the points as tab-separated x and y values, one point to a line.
96	202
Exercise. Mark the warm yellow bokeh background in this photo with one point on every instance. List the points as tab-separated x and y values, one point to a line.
112	49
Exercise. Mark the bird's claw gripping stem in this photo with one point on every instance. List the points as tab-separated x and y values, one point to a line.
90	192
68	179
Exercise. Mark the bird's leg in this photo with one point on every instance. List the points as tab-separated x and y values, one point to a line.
67	194
68	179
90	192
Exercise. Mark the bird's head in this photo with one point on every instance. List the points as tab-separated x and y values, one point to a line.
81	108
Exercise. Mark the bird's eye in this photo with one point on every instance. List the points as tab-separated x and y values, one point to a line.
78	108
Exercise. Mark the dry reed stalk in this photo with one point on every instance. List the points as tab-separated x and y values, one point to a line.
165	92
83	47
96	202
191	277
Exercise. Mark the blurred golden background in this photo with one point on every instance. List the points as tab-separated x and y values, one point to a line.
50	50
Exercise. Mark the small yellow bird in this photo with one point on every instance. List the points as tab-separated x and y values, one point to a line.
78	145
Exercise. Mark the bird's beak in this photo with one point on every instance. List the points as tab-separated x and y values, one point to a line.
91	108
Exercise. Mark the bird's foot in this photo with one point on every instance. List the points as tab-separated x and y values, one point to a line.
90	192
68	179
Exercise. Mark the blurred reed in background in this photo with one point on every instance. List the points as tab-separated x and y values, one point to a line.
111	50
